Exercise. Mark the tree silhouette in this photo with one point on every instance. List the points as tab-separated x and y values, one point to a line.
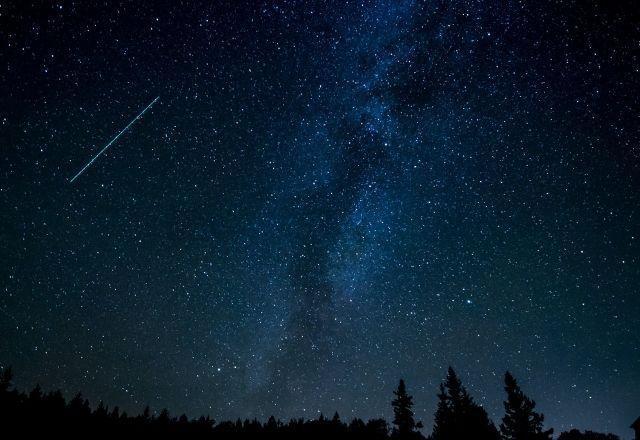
403	413
458	416
575	434
164	418
146	413
521	421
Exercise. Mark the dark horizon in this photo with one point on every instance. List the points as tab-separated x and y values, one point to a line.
283	206
458	416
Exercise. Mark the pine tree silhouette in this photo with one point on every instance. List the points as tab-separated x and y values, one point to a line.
442	421
164	418
458	416
520	421
146	413
403	413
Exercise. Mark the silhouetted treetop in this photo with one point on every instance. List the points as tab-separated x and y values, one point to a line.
458	416
521	421
402	412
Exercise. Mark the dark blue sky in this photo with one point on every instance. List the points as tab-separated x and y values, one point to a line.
327	196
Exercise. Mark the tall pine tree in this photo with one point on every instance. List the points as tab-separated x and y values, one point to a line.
458	416
443	417
521	421
403	413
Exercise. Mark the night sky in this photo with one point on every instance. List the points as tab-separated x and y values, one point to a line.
327	196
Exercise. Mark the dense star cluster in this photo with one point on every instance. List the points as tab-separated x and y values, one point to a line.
327	196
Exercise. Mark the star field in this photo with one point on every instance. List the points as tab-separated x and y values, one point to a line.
327	196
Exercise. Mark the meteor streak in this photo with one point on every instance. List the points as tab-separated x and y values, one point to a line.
113	140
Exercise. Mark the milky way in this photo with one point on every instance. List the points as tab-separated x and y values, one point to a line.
332	195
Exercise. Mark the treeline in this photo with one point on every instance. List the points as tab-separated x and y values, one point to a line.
457	417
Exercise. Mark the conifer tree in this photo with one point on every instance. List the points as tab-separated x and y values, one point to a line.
521	421
443	416
402	412
164	417
458	416
146	414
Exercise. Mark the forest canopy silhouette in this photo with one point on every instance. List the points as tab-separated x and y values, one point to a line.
457	416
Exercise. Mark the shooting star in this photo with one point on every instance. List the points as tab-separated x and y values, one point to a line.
113	140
